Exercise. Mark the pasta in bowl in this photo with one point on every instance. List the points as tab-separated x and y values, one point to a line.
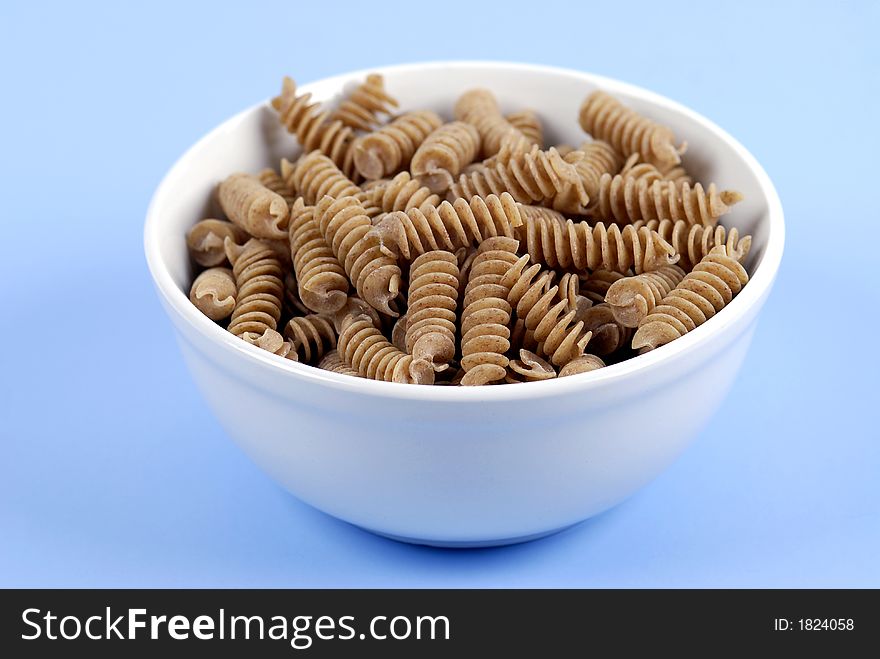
356	258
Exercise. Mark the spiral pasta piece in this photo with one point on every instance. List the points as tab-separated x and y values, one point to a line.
560	337
528	177
254	207
270	341
258	275
205	241
310	337
444	153
321	282
480	108
582	246
213	293
632	298
595	285
376	275
676	174
627	198
447	226
333	362
362	108
272	180
313	127
607	119
315	175
608	334
431	314
591	161
529	124
693	241
365	349
390	148
528	212
485	318
583	364
529	368
402	193
703	292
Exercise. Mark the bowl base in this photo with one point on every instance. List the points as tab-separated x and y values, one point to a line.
470	544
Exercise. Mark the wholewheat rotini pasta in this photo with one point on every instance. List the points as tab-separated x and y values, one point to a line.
347	258
254	207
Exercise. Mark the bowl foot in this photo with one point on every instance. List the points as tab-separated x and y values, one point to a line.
470	544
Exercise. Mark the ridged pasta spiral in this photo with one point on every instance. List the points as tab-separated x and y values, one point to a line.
321	282
608	334
606	118
334	363
310	337
270	341
528	177
313	127
584	246
676	174
480	108
560	337
703	292
390	148
529	124
583	364
213	293
634	196
595	285
591	161
431	315
528	212
258	275
253	206
693	241
444	153
366	102
376	275
447	226
402	193
364	348
315	175
205	241
633	298
529	368
485	317
272	180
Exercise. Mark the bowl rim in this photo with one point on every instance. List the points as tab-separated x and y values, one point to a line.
753	294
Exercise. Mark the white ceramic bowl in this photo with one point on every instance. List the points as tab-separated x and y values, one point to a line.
461	466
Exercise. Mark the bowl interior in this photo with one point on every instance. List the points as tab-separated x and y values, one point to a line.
254	139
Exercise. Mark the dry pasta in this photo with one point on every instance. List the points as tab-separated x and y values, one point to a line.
347	258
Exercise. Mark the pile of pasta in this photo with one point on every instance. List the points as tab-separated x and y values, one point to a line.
404	247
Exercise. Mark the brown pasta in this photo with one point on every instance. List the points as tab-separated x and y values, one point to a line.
205	241
402	193
431	316
595	285
258	275
560	338
334	363
315	175
270	341
584	246
391	147
322	284
528	177
607	119
272	180
528	123
362	108
633	298
693	241
364	348
591	161
313	127
376	275
529	212
583	364
254	207
608	335
703	292
213	292
447	226
529	368
485	318
310	337
444	153
480	108
292	306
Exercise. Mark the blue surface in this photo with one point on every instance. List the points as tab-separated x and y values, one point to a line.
114	473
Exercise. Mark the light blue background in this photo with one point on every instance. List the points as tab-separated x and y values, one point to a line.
114	473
